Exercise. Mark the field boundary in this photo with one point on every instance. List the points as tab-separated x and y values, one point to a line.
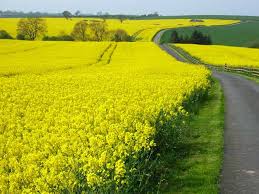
200	157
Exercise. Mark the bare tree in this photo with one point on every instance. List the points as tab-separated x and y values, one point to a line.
79	31
99	30
67	14
31	28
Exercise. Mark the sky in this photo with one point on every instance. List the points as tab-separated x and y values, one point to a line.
164	7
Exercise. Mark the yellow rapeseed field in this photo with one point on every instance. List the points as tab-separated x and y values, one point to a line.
26	57
221	55
143	29
80	116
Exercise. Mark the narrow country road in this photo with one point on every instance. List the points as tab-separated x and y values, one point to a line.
165	47
240	173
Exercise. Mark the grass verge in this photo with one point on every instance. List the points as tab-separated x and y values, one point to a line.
199	159
247	77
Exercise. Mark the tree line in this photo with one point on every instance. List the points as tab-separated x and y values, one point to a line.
84	30
78	13
19	14
195	38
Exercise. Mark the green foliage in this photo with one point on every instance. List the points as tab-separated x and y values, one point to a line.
199	38
196	38
121	35
175	37
93	31
67	14
5	35
98	30
31	28
20	37
58	38
254	45
199	157
80	31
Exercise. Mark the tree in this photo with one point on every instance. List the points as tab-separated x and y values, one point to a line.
198	38
155	14
99	13
105	16
185	39
77	13
209	40
79	31
121	35
31	28
99	30
122	18
175	37
67	14
195	38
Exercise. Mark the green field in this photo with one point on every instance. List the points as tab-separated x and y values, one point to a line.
244	34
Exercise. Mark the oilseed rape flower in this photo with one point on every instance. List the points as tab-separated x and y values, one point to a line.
222	55
90	127
143	30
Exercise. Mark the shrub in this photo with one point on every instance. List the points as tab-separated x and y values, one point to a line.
58	38
196	38
121	36
199	38
20	37
5	35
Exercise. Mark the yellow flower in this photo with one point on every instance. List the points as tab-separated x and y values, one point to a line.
68	121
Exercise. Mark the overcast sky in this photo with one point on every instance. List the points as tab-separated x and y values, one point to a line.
165	7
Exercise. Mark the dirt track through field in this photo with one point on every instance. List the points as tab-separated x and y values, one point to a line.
240	173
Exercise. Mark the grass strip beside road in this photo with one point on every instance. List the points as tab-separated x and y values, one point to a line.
198	164
255	79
